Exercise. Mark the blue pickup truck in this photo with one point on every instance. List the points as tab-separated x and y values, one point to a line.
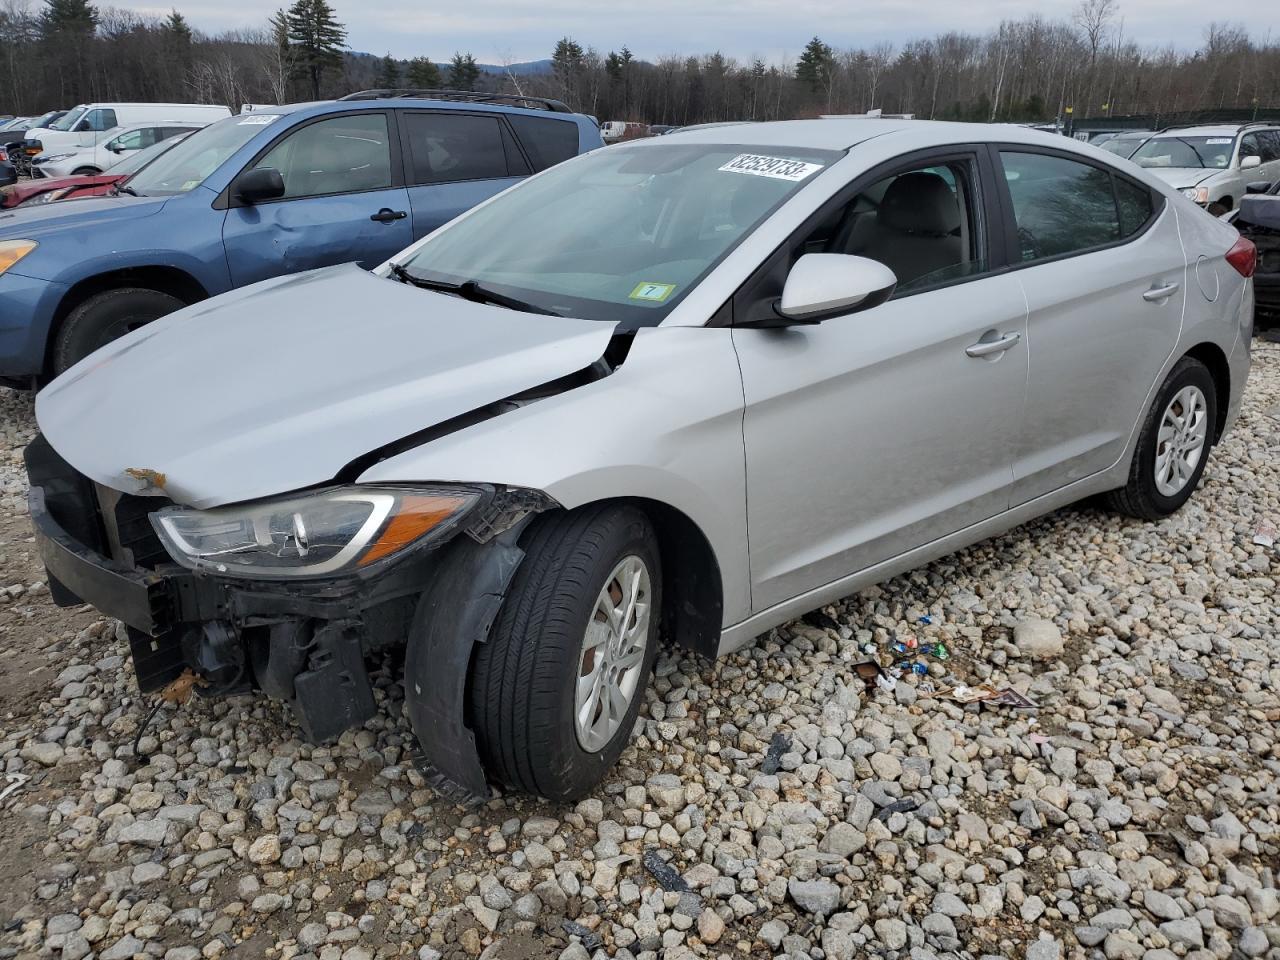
266	193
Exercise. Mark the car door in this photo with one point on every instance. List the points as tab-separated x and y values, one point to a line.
870	434
344	200
455	160
125	144
1100	261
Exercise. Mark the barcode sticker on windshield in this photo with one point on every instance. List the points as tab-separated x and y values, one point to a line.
779	168
1217	141
258	119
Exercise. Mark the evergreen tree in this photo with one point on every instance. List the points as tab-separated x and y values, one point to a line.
317	38
61	17
176	25
67	31
423	74
464	72
388	76
814	66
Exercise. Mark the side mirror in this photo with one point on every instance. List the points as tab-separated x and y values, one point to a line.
1248	163
1257	186
824	285
115	148
257	185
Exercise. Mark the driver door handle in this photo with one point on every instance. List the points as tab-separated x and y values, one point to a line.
386	215
984	348
1156	294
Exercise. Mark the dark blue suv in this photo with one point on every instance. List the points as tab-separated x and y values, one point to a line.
257	195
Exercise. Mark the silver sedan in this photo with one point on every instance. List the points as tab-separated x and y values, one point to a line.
685	389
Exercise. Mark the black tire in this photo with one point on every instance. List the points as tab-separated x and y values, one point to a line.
86	172
1221	206
1139	497
105	317
521	688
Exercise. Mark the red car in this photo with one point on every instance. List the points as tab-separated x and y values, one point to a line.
74	188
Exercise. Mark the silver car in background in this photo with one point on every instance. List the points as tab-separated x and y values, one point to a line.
1213	165
686	388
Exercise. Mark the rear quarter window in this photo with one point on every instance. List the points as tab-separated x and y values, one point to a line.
546	141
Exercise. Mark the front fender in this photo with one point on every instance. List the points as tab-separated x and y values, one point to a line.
666	426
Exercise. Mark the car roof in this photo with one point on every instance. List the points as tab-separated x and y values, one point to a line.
1209	130
841	134
322	107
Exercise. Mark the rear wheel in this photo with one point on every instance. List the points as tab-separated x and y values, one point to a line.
105	317
555	690
1174	444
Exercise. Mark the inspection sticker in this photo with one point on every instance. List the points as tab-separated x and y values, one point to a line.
653	292
258	119
1217	141
780	168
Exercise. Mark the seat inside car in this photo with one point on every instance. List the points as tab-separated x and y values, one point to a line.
915	230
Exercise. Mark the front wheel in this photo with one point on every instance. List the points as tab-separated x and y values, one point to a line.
1173	445
554	693
85	172
105	317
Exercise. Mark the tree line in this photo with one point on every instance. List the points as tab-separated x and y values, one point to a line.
55	53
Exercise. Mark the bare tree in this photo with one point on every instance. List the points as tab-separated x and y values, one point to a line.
1093	17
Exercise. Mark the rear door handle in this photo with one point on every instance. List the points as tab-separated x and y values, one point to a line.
1156	294
984	348
386	215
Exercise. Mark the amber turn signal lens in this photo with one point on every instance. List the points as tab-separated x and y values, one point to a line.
418	515
11	251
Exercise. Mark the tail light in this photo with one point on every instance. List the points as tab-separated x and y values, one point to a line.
1243	255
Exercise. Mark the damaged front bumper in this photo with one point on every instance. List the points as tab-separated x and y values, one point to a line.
303	642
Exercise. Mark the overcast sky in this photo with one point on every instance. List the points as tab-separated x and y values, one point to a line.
774	29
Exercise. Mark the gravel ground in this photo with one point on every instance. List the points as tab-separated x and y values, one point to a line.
769	805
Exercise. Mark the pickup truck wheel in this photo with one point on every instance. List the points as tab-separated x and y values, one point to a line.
1174	444
555	690
105	317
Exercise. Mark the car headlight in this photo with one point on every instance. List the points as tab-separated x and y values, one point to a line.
318	534
47	197
11	251
56	157
1198	194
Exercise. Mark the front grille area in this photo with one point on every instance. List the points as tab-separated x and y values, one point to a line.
136	542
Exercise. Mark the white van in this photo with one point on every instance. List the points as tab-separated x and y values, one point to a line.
85	125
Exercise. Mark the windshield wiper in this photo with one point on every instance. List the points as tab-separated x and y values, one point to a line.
126	189
469	290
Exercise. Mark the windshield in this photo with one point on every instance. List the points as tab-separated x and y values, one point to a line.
621	234
140	158
69	120
1121	146
187	165
1210	152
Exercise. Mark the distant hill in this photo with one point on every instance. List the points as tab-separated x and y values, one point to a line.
526	68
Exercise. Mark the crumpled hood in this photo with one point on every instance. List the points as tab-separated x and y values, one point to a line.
280	385
91	213
1182	177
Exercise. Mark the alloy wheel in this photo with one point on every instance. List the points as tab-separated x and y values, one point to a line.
613	654
1184	433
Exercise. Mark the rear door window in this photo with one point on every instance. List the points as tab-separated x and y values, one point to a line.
547	141
1060	206
452	147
